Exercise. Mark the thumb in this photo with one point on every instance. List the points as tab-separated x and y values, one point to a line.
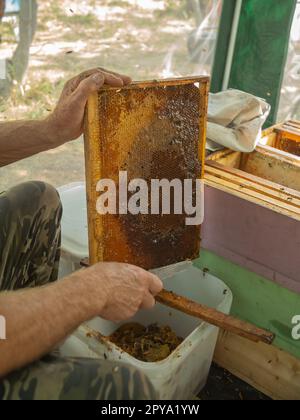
88	86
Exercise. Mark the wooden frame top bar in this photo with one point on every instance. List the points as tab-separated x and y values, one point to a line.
160	83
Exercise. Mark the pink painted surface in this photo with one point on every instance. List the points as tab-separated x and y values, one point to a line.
252	236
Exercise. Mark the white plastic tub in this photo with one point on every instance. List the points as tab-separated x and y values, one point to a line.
184	373
74	247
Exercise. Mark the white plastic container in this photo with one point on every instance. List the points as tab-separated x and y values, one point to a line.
184	373
74	245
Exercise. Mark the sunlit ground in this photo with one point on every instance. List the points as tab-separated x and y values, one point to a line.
143	38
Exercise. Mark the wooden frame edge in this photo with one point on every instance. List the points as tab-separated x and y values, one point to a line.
91	167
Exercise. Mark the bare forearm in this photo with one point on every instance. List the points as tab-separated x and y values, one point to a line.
39	319
21	139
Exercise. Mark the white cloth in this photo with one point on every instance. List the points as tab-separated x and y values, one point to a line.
235	120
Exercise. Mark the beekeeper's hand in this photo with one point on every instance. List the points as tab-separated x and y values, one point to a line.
40	318
66	121
120	290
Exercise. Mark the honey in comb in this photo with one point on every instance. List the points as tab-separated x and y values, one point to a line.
290	146
166	149
152	133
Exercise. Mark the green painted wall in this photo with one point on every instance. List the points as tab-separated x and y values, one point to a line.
261	48
257	300
222	45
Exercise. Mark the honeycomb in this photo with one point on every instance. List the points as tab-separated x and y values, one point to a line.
153	130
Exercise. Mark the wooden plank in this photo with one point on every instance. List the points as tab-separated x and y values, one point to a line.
270	188
231	158
222	154
278	169
161	82
260	199
279	154
270	370
268	140
288	157
295	124
270	130
286	201
93	170
226	158
291	125
245	194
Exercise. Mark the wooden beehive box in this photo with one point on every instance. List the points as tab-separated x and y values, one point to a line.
264	176
253	209
252	221
151	130
269	176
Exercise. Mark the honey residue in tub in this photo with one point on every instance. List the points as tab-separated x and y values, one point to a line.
148	344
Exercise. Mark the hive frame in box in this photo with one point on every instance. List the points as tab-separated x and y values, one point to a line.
96	131
283	139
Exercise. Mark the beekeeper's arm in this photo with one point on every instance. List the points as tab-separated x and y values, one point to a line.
38	319
21	139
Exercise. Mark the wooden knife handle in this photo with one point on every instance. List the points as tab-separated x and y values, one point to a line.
215	317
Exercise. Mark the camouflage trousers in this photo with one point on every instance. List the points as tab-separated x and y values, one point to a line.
30	216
